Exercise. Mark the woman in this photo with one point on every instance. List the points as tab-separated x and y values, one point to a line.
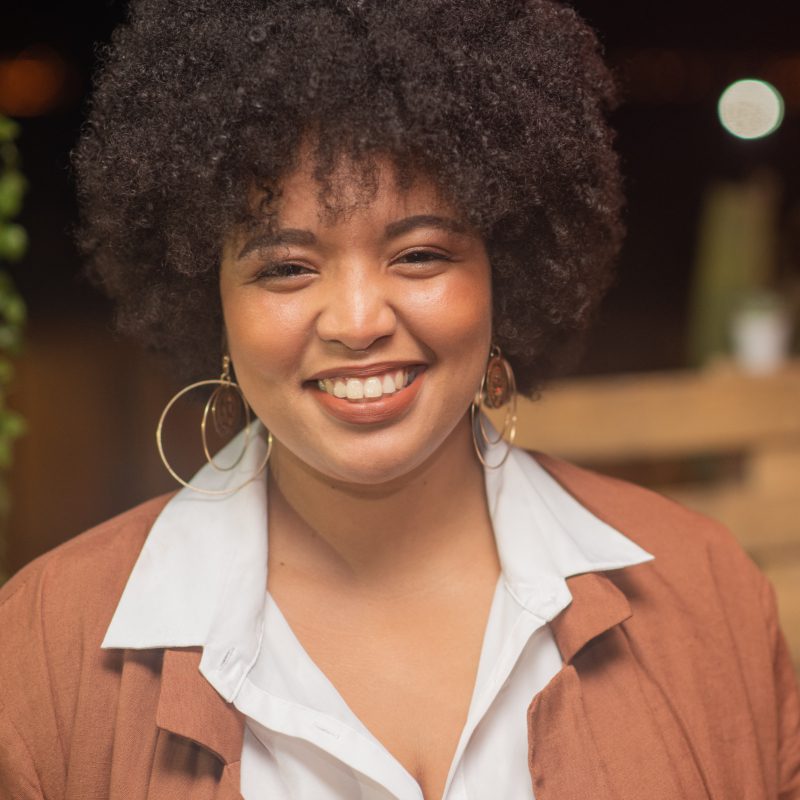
373	220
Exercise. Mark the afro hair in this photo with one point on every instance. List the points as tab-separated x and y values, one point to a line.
502	103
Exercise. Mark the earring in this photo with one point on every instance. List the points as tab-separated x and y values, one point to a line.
498	388
221	408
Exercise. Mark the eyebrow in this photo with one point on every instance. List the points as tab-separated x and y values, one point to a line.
300	236
395	229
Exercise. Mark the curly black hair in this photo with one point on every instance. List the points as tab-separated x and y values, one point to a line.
501	102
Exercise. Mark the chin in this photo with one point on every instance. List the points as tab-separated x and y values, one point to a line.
373	465
373	469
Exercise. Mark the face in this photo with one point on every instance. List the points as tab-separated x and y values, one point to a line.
359	342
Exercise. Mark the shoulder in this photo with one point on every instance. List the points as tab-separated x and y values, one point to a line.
54	678
79	583
702	631
701	588
674	534
700	576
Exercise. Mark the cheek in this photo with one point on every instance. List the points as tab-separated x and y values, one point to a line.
457	313
263	337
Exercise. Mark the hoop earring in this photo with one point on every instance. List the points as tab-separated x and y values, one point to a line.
498	388
219	407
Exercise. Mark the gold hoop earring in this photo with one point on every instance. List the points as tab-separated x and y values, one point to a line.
219	407
498	388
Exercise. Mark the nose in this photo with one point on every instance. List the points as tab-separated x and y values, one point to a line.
357	310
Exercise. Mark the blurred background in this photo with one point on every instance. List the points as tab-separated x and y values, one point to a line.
690	382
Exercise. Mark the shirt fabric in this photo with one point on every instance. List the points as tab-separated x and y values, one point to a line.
201	580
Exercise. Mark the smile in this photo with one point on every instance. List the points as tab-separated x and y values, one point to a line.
375	395
373	387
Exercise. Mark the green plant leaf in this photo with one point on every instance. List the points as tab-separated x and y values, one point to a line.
6	371
13	309
13	241
9	337
12	424
12	190
9	130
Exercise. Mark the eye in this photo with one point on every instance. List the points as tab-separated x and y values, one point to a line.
282	270
422	262
421	256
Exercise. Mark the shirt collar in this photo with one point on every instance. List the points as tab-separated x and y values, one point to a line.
200	579
544	535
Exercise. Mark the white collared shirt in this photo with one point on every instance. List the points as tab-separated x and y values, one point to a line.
201	580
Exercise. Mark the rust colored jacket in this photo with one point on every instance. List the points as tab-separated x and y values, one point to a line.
676	681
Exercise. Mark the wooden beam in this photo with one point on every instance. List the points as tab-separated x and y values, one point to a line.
660	415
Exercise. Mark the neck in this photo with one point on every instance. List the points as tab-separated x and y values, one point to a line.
410	532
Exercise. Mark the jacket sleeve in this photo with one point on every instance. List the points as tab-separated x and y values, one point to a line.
31	754
18	778
788	703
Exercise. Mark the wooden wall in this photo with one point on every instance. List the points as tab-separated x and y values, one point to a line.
91	404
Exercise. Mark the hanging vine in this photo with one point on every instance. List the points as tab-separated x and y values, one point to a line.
13	244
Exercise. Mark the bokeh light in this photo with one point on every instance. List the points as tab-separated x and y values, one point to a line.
750	109
33	82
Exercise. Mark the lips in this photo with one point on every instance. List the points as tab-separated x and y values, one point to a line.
377	394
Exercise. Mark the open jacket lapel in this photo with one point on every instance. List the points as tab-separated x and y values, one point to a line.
597	730
582	740
562	751
199	746
597	606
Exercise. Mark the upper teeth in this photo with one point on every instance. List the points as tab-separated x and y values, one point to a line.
370	388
